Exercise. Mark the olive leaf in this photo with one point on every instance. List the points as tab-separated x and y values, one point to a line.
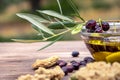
36	20
77	29
55	14
36	28
35	17
72	4
58	25
51	43
26	41
60	8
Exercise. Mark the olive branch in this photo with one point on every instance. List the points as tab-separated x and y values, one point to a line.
45	26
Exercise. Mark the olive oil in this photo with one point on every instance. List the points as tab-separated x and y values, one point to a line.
100	49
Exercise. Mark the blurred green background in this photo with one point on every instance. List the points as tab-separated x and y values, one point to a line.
12	26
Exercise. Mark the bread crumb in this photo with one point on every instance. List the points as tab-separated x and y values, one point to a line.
98	71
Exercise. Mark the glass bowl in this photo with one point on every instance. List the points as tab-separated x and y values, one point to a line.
104	46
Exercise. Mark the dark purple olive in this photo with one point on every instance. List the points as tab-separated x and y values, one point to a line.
97	26
88	59
90	30
105	26
82	63
76	66
98	29
73	61
61	64
65	70
90	24
75	53
70	68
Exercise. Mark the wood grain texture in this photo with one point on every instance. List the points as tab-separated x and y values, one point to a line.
16	58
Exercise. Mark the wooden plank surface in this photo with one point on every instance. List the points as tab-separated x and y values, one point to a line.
16	58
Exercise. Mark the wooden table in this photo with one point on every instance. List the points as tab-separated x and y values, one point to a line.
16	58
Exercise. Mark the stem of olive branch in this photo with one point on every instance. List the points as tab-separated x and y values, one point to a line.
57	34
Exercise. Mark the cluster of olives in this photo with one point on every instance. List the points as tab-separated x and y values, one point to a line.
93	26
73	65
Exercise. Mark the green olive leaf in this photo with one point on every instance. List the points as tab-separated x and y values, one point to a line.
77	29
26	41
55	14
36	20
58	38
58	25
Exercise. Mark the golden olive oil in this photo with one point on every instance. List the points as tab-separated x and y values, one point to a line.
101	49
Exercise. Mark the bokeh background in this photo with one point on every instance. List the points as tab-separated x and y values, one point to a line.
12	26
